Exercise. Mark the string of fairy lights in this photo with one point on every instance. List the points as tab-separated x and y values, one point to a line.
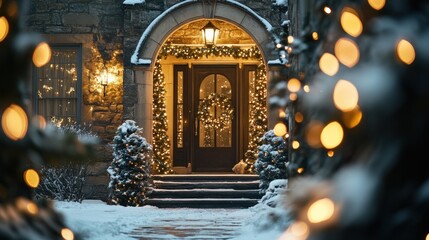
21	216
341	54
258	110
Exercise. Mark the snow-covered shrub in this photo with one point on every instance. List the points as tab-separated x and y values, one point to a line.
272	159
64	180
130	170
274	191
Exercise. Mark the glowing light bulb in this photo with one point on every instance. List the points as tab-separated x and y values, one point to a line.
299	117
306	88
332	135
352	118
300	170
328	64
315	36
321	210
280	129
406	52
14	122
42	54
330	153
294	85
347	52
377	4
327	10
350	22
345	96
295	144
67	234
4	28
31	178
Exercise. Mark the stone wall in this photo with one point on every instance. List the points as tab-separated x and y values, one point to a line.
102	20
114	30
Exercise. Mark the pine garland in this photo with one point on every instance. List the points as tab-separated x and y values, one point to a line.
161	144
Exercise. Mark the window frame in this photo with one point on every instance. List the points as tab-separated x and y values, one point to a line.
79	70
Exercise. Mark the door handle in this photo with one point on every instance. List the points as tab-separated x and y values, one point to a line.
196	126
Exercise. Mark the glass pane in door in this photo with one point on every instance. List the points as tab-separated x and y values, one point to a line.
215	88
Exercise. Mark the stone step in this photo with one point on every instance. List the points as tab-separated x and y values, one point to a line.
210	185
206	177
205	193
202	202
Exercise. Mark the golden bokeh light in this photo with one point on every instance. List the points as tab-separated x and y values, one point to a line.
406	52
32	208
329	64
279	45
351	23
312	135
4	28
315	36
332	135
295	144
330	153
296	231
377	4
31	178
321	210
345	96
327	10
299	229
280	129
293	96
67	234
293	85
306	88
14	122
352	118
347	52
282	113
290	39
427	236
42	54
300	170
299	117
41	121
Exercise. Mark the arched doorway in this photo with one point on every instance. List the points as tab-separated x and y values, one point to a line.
191	80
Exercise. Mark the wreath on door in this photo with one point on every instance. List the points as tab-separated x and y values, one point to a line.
206	116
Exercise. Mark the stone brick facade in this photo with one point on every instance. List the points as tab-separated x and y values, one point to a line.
112	32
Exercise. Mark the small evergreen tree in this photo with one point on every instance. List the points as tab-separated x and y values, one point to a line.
272	159
130	170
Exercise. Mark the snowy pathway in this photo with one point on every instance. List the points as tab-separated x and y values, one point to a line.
96	220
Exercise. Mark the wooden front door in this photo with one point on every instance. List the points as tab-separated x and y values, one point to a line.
208	148
214	139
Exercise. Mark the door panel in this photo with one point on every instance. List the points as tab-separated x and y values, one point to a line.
214	144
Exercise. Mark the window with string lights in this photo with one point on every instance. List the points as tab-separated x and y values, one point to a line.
57	86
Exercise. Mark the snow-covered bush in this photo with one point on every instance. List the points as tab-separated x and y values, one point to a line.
64	180
274	191
272	159
130	170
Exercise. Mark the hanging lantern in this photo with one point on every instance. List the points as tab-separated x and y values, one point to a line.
210	34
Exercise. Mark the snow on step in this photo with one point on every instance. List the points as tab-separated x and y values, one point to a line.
205	191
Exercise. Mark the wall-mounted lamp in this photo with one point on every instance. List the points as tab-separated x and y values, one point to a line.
104	79
210	34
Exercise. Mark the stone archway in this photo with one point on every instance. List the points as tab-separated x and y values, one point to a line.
140	77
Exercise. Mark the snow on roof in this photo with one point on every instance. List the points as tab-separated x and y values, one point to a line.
132	2
135	59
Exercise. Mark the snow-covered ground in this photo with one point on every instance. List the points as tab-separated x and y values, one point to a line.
94	219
